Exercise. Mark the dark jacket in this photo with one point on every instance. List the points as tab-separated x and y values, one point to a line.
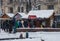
20	24
25	23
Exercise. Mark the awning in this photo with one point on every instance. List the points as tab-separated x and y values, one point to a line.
41	13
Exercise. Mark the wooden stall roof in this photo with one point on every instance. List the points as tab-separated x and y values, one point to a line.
5	16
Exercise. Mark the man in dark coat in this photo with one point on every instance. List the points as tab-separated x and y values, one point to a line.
10	26
20	24
7	26
25	23
4	25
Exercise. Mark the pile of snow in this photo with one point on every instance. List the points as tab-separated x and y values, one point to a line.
24	40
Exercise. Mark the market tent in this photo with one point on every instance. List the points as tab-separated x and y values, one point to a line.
41	13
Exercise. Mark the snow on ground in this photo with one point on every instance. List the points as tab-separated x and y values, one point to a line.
8	35
36	36
24	40
47	36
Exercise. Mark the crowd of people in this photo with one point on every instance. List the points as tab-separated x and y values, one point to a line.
7	25
11	25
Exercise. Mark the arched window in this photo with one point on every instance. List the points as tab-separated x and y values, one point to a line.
18	9
50	6
11	1
39	7
11	9
22	9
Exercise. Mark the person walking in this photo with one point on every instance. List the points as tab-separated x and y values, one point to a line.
4	25
7	26
10	26
25	23
16	26
20	24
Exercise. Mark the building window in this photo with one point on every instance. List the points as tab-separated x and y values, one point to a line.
26	6
11	1
39	7
50	6
11	10
18	9
22	9
51	0
29	5
1	2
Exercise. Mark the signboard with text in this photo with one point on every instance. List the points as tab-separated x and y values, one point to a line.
32	17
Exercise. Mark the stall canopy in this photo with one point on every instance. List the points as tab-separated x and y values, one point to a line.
41	13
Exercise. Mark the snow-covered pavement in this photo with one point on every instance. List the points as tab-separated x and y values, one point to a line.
36	36
24	40
8	35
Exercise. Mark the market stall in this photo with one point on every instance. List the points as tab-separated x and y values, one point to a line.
43	17
6	19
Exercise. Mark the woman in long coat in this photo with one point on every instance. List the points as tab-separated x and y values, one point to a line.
16	26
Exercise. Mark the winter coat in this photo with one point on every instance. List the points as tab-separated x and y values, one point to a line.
16	26
25	24
20	24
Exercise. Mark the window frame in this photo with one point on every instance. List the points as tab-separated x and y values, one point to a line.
50	7
11	9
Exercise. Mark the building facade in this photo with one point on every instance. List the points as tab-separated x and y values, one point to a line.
14	6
